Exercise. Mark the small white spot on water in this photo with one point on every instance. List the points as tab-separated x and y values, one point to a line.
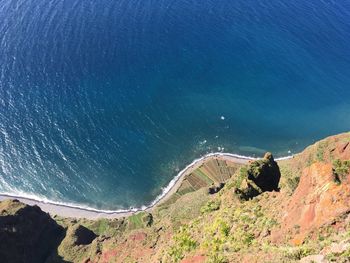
203	142
222	117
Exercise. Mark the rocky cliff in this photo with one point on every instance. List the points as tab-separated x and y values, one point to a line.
26	233
267	211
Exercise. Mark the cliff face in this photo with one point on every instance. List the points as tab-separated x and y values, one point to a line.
26	233
318	200
323	194
293	210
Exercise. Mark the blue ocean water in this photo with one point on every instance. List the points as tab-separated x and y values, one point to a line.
103	102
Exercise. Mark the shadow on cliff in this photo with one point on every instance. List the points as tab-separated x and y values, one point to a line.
27	234
260	176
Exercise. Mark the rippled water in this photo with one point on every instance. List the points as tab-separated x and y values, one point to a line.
103	102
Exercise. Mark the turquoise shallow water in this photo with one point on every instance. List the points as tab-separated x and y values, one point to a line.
103	102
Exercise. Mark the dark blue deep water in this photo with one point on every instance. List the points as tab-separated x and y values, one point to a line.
102	102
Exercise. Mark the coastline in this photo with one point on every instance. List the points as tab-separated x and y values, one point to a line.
76	211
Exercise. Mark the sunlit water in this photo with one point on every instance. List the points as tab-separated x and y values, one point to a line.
103	102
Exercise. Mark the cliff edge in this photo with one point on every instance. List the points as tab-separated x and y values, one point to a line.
27	234
295	210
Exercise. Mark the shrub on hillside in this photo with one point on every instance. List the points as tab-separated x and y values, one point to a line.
212	205
340	169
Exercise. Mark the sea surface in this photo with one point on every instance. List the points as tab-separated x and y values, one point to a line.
103	102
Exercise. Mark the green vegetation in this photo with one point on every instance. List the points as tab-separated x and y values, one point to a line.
342	257
340	169
135	221
322	145
289	178
230	231
183	242
260	176
212	172
212	205
243	172
140	220
317	152
297	253
293	183
106	227
202	175
237	179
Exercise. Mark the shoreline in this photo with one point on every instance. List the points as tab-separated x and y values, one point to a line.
76	211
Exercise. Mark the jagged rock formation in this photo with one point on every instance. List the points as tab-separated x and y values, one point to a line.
261	176
27	234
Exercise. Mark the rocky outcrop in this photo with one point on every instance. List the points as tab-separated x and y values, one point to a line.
147	219
78	244
261	176
27	234
80	235
215	188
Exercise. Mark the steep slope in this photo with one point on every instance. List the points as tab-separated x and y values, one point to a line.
27	234
290	211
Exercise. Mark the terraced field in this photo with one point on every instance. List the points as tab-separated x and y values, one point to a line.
213	171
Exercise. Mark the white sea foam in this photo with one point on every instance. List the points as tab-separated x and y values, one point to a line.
165	190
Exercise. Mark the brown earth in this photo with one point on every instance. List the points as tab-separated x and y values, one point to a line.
318	200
